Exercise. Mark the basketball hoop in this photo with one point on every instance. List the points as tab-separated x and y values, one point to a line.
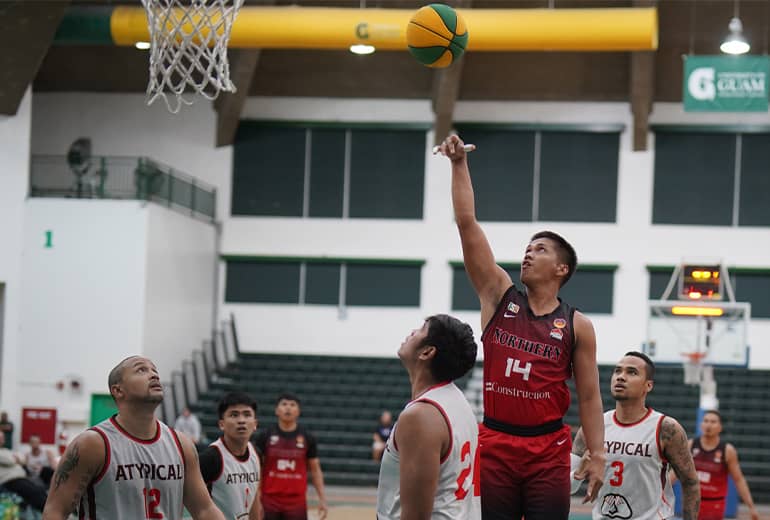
188	48
693	367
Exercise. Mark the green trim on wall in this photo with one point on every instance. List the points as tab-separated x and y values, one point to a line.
660	268
320	259
353	125
713	129
85	26
604	128
516	265
749	270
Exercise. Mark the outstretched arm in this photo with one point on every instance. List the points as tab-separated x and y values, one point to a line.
589	403
81	463
673	442
196	496
488	279
734	468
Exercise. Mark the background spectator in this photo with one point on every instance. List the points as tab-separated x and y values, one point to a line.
381	434
189	424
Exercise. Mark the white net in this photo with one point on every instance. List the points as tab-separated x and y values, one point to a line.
188	49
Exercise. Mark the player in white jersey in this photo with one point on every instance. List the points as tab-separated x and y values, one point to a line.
130	466
640	445
230	465
430	464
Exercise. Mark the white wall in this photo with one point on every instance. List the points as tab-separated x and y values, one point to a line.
14	180
179	286
121	125
83	300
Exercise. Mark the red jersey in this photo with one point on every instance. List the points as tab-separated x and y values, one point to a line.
284	467
711	467
527	361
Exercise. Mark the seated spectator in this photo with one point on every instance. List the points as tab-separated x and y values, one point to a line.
14	478
6	426
39	462
189	424
381	434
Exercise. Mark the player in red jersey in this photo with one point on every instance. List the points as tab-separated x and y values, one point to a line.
287	451
533	342
714	460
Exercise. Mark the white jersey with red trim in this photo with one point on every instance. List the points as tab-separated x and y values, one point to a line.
139	479
457	495
635	480
235	489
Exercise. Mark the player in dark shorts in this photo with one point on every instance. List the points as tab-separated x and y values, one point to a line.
533	342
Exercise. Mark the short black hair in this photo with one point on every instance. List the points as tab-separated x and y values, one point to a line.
116	374
234	398
649	366
715	412
566	252
455	347
288	397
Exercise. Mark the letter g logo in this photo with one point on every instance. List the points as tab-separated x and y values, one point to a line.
700	84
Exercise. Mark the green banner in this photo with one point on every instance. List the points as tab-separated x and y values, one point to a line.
726	83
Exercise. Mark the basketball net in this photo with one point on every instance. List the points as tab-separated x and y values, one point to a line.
693	367
188	49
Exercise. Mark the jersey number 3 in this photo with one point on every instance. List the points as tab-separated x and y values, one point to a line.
471	468
151	503
617	476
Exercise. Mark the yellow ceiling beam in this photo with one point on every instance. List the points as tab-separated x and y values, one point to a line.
610	29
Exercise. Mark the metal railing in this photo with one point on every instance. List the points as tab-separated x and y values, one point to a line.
138	178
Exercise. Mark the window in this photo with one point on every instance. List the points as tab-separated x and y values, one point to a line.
590	289
322	281
557	173
708	177
328	172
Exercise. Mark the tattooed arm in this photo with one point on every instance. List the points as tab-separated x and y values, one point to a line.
80	464
673	442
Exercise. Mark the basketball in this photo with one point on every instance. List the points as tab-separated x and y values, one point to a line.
436	35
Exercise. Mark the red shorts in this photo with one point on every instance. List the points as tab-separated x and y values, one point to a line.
525	476
712	509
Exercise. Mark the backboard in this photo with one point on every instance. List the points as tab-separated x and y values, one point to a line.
717	329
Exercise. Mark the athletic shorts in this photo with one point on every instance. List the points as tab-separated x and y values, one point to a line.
525	476
296	514
712	509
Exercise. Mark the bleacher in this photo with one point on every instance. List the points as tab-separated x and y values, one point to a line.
342	398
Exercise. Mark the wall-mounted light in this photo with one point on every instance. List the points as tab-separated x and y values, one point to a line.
735	43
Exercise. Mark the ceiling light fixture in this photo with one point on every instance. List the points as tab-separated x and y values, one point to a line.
142	46
735	43
362	49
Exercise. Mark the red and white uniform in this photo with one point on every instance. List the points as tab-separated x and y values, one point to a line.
711	467
635	479
140	478
456	496
527	361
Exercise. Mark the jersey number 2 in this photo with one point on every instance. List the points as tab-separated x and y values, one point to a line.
471	468
617	477
151	503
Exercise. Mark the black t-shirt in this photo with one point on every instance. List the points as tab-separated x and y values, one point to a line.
211	462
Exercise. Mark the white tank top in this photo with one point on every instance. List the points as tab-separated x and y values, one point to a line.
235	489
140	478
456	496
635	480
36	463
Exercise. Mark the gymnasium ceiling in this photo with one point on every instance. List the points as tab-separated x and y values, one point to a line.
685	26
